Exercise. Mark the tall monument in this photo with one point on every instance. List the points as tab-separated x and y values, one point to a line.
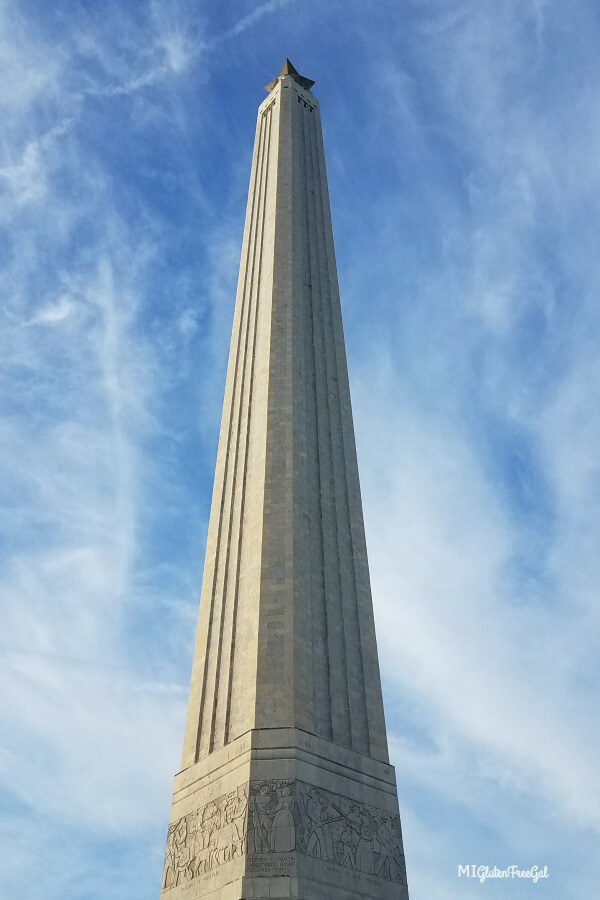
285	787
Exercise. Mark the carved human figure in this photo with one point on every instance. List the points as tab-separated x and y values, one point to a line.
170	867
211	824
178	855
346	849
237	808
202	846
389	835
365	857
283	829
320	839
226	843
223	844
383	844
259	835
211	821
354	818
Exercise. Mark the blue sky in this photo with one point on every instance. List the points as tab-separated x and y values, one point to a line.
463	148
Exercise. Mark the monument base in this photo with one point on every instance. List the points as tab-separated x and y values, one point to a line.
281	813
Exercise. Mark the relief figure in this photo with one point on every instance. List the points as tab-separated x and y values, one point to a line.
352	834
259	834
283	829
365	856
284	817
345	848
178	856
207	838
319	840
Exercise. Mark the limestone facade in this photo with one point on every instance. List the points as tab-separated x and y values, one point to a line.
286	788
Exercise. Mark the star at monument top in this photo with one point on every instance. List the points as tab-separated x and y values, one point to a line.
288	69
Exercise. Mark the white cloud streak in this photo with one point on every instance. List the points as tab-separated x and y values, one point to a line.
478	448
479	445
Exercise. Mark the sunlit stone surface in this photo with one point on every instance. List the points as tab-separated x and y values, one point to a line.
285	788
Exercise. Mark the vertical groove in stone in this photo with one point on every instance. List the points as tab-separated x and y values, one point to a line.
286	600
220	703
209	679
230	667
274	674
237	713
314	500
198	676
225	605
368	643
335	596
326	461
348	585
305	569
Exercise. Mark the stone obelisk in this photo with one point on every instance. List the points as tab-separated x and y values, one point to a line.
285	787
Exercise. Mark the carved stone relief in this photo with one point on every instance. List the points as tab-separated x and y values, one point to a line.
351	834
206	838
274	820
272	826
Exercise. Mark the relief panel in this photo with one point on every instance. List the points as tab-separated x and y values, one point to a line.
272	821
206	838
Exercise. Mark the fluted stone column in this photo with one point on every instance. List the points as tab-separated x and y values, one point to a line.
286	788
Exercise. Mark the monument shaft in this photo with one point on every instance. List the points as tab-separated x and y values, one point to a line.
285	788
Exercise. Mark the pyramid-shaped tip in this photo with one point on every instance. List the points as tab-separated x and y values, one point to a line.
289	69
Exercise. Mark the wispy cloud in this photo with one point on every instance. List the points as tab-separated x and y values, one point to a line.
250	19
463	153
87	367
479	446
